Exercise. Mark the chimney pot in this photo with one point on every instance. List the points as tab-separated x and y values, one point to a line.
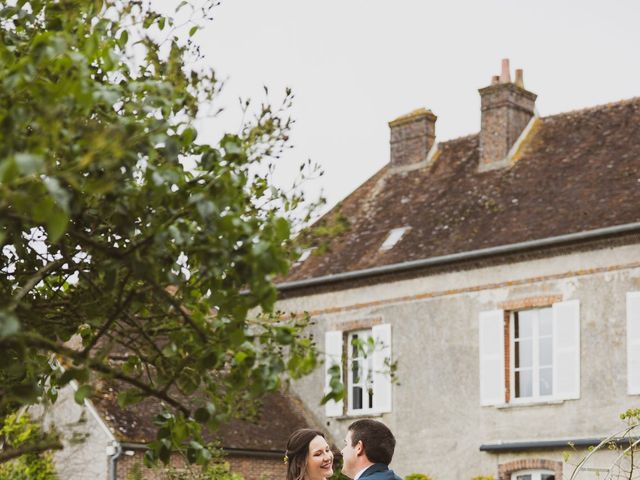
519	78
505	75
412	136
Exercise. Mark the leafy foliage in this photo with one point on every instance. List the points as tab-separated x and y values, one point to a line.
623	447
417	476
20	432
116	258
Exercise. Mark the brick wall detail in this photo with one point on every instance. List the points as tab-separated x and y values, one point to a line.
412	136
251	468
505	112
506	469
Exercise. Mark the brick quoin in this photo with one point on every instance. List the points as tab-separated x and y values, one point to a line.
506	469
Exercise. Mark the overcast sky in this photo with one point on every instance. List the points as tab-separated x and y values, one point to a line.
354	65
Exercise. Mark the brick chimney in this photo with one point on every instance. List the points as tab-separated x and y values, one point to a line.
506	109
412	136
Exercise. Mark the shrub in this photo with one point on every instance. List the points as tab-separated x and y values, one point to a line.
417	476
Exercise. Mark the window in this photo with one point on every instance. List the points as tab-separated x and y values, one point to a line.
306	253
360	371
533	475
633	343
540	348
394	237
532	359
363	356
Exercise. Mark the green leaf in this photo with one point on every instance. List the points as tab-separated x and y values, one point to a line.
29	163
9	324
8	170
83	392
57	222
201	415
193	30
181	4
79	374
61	196
124	37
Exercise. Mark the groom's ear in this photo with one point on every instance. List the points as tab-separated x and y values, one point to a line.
359	448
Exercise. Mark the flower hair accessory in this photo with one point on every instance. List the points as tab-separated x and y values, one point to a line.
286	458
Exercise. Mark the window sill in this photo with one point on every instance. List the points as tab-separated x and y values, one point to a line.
352	416
534	403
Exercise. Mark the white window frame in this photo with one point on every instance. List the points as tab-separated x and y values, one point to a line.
366	379
535	397
535	474
565	352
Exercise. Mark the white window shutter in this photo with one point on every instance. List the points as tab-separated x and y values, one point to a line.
633	343
491	333
381	361
333	356
566	349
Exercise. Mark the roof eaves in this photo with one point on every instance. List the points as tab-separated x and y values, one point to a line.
461	256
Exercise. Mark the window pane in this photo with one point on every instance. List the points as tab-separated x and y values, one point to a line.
357	398
524	384
355	371
547	476
370	398
546	352
524	477
546	381
545	315
523	354
525	323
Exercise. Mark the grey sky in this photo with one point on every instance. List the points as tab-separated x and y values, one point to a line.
354	65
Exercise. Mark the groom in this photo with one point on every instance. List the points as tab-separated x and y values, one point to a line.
368	451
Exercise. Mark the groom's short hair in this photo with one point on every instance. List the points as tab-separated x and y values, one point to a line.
377	440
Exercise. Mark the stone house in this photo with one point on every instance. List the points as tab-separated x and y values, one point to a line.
501	270
105	442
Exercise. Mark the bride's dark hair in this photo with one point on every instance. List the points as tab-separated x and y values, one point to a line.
298	451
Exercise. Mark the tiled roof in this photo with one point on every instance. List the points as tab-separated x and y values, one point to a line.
576	171
279	416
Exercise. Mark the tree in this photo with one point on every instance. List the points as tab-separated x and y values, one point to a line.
118	262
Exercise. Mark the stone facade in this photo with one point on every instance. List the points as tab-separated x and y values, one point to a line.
436	412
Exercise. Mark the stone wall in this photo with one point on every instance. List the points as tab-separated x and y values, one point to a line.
436	413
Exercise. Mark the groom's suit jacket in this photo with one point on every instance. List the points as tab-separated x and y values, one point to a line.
378	471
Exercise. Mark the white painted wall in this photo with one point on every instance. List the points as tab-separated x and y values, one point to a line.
85	440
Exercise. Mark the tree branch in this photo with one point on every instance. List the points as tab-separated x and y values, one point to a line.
34	280
41	342
40	447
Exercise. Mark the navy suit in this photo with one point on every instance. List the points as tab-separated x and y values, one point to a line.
379	471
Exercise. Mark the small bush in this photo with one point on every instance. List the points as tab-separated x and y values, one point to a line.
20	430
417	476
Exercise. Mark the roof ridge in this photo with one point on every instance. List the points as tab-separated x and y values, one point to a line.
459	139
602	106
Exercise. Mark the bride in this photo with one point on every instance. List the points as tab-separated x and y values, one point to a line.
308	456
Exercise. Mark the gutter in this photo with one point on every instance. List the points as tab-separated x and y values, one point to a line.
553	444
460	257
